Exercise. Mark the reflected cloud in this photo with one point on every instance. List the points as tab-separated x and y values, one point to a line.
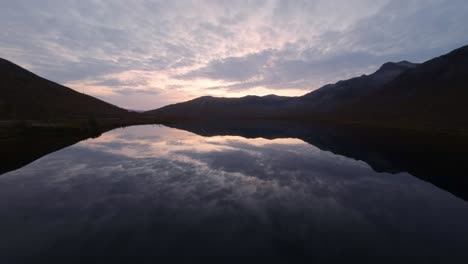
178	193
159	153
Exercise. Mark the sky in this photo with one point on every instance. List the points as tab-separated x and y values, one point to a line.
144	54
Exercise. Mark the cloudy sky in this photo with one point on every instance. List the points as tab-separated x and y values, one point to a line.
144	54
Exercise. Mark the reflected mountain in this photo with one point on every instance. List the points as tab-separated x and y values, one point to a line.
136	194
20	150
437	158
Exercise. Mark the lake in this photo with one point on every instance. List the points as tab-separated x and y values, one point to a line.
138	193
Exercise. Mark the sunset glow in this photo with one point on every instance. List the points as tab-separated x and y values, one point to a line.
147	54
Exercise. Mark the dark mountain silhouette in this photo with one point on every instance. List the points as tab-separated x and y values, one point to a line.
331	96
322	100
431	95
208	107
25	95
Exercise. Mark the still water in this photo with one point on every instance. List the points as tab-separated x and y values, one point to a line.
137	193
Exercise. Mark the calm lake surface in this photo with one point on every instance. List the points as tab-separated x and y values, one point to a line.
140	192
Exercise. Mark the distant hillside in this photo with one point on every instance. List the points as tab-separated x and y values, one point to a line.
325	99
433	94
345	92
25	95
207	107
403	94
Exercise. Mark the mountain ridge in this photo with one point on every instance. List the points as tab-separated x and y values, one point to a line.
26	95
434	94
310	101
428	95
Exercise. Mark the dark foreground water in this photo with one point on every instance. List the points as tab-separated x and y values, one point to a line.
136	194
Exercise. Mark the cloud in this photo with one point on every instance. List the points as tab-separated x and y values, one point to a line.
231	68
129	91
228	48
396	31
275	70
119	83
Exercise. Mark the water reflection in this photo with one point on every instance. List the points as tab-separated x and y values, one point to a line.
140	192
16	152
436	157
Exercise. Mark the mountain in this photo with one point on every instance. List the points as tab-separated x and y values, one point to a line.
433	95
344	92
25	95
316	102
208	107
406	95
322	100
